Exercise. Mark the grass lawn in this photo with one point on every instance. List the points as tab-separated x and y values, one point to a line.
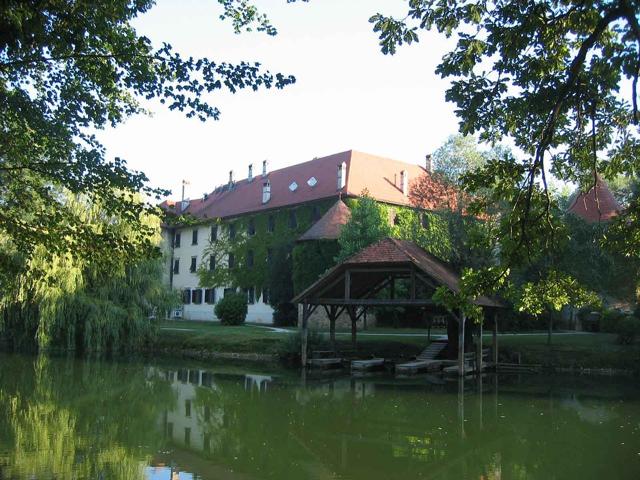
589	350
175	335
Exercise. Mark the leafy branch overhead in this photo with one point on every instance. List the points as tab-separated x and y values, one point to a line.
67	70
548	75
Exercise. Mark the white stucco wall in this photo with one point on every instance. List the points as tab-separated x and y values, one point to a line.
258	312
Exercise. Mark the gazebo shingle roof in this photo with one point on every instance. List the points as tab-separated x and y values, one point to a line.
391	252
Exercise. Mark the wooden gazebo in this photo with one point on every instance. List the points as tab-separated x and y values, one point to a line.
390	272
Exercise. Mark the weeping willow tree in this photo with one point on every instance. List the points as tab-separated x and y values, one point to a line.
77	300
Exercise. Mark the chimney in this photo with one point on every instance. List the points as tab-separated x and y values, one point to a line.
429	163
264	168
266	191
342	175
250	174
404	180
230	177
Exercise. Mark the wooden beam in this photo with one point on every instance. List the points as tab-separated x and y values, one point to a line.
354	319
303	333
495	339
461	323
479	347
422	302
413	283
347	284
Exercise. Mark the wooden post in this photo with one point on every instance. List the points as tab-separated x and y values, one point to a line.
347	284
306	309
495	339
364	318
461	321
479	346
352	315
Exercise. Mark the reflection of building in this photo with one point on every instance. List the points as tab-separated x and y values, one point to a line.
265	212
197	414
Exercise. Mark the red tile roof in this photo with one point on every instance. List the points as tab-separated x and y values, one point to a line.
380	176
594	208
329	226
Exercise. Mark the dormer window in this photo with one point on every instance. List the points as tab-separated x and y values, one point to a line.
266	191
342	175
293	187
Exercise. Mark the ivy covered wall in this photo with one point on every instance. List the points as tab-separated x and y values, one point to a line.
257	238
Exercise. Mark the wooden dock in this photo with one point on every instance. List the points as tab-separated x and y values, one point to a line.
325	362
418	366
371	364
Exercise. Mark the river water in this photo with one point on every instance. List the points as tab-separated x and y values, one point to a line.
83	419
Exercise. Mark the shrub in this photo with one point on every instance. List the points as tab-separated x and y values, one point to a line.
628	329
232	309
610	320
285	315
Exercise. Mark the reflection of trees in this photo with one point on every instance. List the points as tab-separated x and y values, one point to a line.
72	419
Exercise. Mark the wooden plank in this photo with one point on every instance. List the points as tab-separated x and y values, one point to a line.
371	302
367	364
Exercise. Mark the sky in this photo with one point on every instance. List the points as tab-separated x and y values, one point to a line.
348	95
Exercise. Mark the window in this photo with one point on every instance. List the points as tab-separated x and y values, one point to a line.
212	263
315	213
176	266
250	259
176	240
227	291
232	260
210	296
187	436
187	408
293	219
196	296
194	237
214	233
271	224
186	296
232	231
251	227
265	296
269	255
192	267
251	295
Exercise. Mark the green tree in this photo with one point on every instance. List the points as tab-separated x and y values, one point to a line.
68	69
57	300
548	76
457	156
281	286
369	223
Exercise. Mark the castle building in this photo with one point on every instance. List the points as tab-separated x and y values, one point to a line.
232	234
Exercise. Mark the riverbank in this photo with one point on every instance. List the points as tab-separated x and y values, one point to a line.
574	351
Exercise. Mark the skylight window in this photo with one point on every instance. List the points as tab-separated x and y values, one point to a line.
293	187
312	182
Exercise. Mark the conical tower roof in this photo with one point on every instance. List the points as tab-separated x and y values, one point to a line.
596	205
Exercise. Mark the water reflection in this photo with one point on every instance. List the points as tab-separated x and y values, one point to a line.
71	419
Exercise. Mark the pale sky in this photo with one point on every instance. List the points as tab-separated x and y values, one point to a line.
348	94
